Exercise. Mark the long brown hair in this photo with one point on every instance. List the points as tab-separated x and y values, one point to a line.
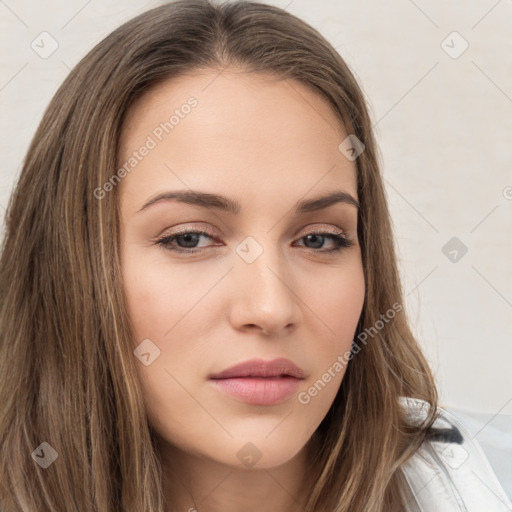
67	369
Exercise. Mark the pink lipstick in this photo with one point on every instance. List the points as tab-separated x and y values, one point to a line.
260	382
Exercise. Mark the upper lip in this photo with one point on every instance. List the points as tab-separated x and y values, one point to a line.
260	368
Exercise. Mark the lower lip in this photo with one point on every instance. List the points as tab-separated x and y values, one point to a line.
259	391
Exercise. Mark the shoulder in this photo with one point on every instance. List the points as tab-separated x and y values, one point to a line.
450	472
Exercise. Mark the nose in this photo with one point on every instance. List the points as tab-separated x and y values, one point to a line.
263	295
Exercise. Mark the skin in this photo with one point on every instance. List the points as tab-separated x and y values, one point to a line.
266	143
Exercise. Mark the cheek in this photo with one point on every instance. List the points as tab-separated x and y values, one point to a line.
159	298
158	295
338	306
335	309
167	315
339	303
351	295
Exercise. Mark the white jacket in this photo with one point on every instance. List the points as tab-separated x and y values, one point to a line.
451	473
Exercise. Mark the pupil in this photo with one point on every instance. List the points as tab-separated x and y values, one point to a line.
187	237
313	237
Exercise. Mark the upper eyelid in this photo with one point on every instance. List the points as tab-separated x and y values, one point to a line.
314	228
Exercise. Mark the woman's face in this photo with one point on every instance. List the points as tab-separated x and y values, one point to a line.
256	286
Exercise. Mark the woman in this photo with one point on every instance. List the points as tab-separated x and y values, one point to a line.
200	302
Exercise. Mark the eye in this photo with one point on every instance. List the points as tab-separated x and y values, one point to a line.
187	241
340	240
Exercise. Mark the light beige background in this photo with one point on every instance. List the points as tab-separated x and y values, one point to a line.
444	126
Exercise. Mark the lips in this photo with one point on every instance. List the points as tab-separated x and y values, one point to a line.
259	382
260	368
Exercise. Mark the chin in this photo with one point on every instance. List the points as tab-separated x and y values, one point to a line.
259	454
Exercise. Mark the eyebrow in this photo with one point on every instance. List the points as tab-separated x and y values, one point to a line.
223	203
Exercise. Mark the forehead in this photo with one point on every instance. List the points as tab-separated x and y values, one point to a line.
245	131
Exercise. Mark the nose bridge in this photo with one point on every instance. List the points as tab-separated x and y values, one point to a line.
262	262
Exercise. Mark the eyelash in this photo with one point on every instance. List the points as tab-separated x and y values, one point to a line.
341	241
